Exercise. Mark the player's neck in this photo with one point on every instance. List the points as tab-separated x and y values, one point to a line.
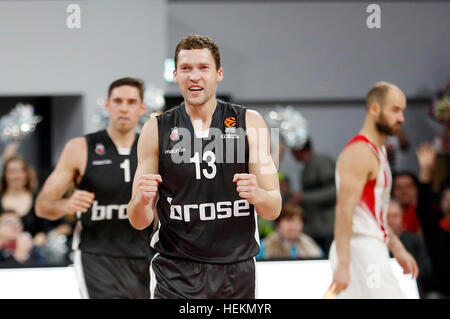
370	131
201	113
121	139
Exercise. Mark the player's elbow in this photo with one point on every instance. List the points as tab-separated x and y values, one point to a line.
272	216
44	208
39	209
273	211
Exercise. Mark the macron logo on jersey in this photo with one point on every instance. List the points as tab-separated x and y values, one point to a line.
102	162
210	211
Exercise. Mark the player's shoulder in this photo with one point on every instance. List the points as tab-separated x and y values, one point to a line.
232	106
97	135
254	119
359	148
150	127
74	153
76	144
357	157
169	114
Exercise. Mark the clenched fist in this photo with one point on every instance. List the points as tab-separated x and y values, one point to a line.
81	201
246	186
148	187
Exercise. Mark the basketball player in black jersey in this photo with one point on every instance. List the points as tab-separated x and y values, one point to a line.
111	257
209	177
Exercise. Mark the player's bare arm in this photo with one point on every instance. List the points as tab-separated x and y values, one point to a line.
261	186
69	169
353	175
426	156
142	206
404	258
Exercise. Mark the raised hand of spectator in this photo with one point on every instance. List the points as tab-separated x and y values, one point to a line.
426	156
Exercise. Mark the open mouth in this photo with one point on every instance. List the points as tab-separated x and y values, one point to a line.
195	89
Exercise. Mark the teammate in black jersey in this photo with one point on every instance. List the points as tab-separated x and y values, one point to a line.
208	163
111	257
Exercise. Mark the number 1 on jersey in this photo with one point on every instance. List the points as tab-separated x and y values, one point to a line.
125	165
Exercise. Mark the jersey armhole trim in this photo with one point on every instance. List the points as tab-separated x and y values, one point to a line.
88	161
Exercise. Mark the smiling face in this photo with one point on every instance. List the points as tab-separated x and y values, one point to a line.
197	76
125	107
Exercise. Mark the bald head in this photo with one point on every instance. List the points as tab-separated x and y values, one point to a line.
381	92
385	106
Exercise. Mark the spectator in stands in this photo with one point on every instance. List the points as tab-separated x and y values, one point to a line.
285	187
17	192
16	246
413	243
9	150
440	110
404	190
434	222
318	195
265	227
395	144
18	185
288	239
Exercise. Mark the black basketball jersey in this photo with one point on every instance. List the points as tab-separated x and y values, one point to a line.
201	216
105	229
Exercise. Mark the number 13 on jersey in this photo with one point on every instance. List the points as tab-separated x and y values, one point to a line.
211	164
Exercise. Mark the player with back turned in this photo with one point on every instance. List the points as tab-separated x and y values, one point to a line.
111	257
205	176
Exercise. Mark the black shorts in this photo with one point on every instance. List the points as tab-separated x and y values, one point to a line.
102	277
180	279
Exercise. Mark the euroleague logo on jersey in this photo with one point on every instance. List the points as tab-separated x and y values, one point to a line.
230	128
230	121
99	149
174	136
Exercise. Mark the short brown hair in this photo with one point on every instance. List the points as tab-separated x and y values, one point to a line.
134	82
195	41
378	93
291	210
